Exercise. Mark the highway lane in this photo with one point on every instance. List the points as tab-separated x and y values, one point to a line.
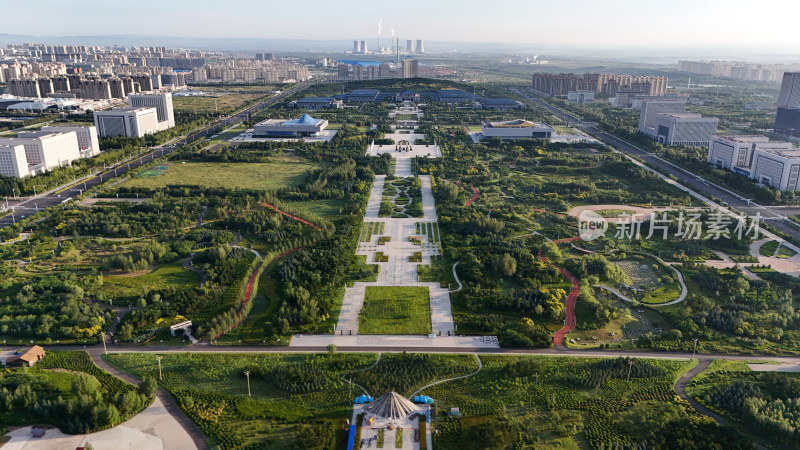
775	216
25	207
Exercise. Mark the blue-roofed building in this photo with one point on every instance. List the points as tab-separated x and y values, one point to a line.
453	96
407	96
317	103
305	126
501	103
363	95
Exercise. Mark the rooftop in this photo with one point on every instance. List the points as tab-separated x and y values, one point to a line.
305	119
391	406
517	123
371	92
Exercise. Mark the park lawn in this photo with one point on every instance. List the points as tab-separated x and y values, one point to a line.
126	289
284	171
786	252
395	310
323	208
768	249
614	213
227	102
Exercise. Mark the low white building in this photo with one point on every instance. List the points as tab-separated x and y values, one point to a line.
684	129
46	151
305	126
779	169
517	129
129	122
87	138
13	162
736	152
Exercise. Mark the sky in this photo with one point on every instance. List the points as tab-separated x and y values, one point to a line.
771	26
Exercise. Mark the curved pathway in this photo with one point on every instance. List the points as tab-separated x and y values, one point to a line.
475	196
455	275
187	264
169	403
680	388
362	370
569	310
480	367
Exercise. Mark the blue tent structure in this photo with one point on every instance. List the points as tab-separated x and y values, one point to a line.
423	399
361	399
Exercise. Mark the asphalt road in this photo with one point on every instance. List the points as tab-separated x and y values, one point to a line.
774	215
24	207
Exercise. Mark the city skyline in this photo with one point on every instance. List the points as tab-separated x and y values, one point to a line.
578	23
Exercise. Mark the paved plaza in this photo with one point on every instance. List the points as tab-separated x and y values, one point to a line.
398	270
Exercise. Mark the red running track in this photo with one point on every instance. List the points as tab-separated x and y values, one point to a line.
474	197
558	337
249	292
291	216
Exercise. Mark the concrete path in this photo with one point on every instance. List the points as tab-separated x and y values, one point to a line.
179	424
455	276
379	342
153	428
680	388
480	367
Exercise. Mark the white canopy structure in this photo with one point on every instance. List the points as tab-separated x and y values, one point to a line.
392	406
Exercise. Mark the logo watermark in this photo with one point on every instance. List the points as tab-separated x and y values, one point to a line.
692	225
591	225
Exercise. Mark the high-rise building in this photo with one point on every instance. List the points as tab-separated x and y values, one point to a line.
161	102
410	68
419	48
45	86
13	162
145	81
789	97
116	87
24	88
128	122
787	119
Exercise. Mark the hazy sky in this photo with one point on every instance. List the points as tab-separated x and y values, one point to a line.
769	25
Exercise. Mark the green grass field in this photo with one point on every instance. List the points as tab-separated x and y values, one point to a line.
395	310
129	288
768	249
322	208
282	172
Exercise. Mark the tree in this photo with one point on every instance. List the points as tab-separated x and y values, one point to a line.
331	348
148	386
